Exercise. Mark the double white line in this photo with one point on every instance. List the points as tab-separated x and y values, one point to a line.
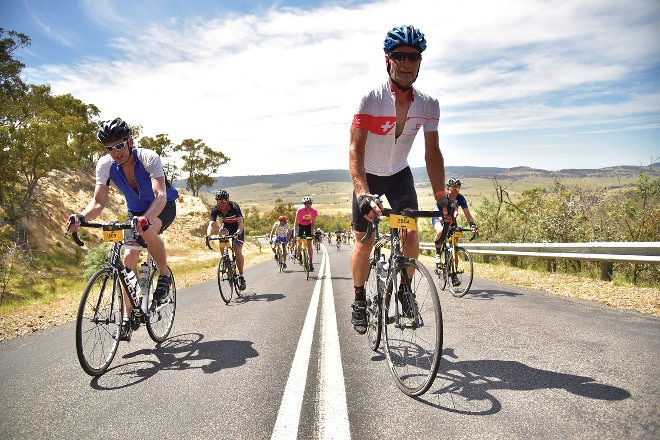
332	418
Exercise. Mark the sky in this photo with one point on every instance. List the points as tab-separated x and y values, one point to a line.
549	84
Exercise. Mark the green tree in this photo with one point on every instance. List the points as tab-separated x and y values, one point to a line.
200	162
162	145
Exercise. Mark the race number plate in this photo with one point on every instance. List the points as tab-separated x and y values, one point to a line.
399	221
458	234
113	236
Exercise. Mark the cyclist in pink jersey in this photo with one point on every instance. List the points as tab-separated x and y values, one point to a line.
381	136
304	225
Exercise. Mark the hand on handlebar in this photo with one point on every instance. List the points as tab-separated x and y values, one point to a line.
369	203
73	221
207	242
448	208
474	228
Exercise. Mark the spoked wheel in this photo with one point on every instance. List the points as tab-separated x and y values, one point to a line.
460	272
98	324
441	270
413	346
280	261
374	315
225	278
161	318
305	263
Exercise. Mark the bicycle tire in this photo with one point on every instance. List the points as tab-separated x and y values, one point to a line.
225	278
278	255
161	317
374	311
440	270
98	323
464	271
413	346
305	262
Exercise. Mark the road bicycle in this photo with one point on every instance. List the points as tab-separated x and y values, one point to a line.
338	242
403	307
304	255
279	257
228	277
453	263
317	245
99	322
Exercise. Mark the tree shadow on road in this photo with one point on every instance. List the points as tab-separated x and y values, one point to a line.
179	352
466	386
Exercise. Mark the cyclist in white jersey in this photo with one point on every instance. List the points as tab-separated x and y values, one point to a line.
282	230
381	136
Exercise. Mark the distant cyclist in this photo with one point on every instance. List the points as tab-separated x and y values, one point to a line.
453	194
318	235
282	230
232	219
304	225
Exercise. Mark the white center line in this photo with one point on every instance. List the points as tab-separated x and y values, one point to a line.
333	417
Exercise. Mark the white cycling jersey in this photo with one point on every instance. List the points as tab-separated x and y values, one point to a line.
281	231
385	155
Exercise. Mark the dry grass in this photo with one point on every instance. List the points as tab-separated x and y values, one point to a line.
642	299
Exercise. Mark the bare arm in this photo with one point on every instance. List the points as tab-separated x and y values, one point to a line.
210	227
468	215
358	142
435	163
96	205
160	198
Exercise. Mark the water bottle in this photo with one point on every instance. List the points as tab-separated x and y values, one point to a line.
143	279
381	272
437	258
131	280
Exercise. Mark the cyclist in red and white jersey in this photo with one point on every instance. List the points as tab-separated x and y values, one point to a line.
382	133
304	225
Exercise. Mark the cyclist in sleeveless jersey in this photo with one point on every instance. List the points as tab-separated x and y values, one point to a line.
232	219
381	136
282	230
304	225
139	175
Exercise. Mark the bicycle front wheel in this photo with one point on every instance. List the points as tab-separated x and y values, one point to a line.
98	324
305	263
280	261
225	278
374	312
161	318
460	273
413	346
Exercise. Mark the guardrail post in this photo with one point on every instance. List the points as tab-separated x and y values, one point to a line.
606	270
551	265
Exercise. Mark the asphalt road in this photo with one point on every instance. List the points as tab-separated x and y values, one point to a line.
284	362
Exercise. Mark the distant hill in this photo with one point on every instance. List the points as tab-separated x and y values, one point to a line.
277	181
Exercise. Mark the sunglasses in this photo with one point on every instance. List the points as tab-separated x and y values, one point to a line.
119	146
400	56
455	188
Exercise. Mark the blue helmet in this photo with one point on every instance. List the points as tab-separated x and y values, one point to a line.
404	36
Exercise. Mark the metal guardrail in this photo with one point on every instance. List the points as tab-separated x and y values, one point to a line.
647	252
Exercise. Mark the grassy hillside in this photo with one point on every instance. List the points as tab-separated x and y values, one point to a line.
332	189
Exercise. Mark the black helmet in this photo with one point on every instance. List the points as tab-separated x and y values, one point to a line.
404	36
454	182
222	195
110	131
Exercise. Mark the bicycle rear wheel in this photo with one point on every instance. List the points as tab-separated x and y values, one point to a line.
161	318
374	312
461	267
441	270
413	346
98	324
225	278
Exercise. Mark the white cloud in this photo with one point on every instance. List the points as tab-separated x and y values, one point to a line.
276	91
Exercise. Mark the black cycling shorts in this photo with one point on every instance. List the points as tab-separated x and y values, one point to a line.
399	189
166	216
